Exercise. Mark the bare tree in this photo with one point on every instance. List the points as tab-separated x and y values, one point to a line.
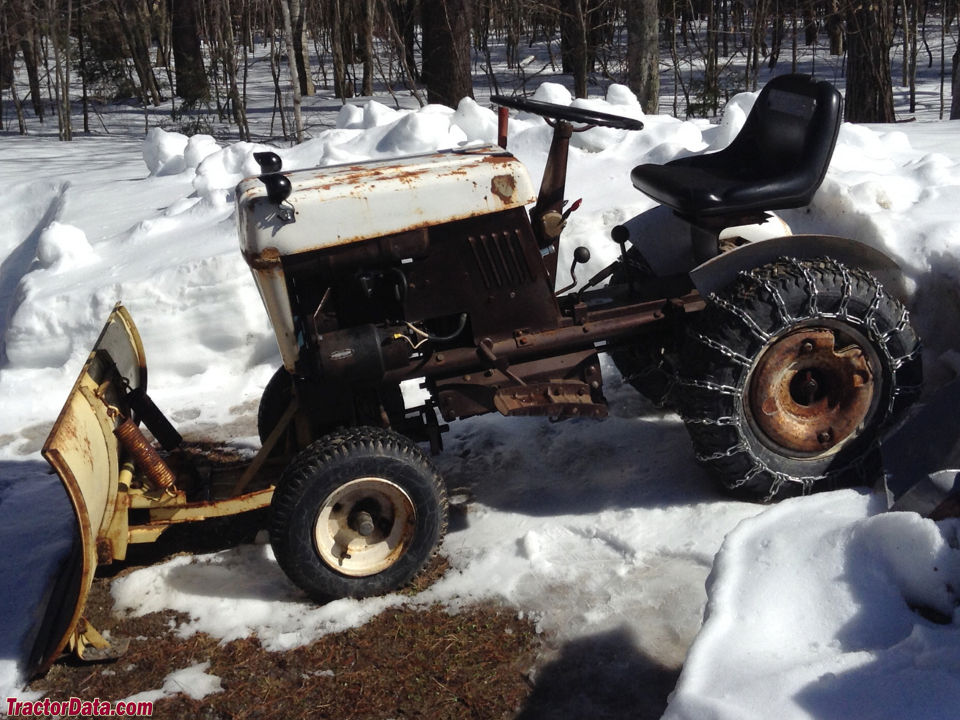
300	47
643	52
342	86
191	78
294	80
24	27
574	42
869	35
446	50
955	87
131	16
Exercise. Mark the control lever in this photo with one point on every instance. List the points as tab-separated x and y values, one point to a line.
278	186
620	235
580	256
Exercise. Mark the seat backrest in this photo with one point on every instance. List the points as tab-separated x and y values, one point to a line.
792	129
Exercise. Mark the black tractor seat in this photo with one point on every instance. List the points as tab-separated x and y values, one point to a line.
777	160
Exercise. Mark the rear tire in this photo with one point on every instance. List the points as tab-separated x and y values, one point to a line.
791	376
646	365
358	513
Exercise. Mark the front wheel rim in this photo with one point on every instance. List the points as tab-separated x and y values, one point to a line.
364	526
813	390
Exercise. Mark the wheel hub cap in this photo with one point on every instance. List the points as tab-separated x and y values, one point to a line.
807	394
364	526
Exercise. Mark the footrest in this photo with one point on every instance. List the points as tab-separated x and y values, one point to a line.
551	399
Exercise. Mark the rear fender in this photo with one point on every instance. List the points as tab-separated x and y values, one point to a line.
719	272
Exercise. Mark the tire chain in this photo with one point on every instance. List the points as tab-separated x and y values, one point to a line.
895	363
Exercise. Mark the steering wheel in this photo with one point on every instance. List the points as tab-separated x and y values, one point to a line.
565	112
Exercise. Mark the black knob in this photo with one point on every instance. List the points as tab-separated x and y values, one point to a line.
269	162
620	234
581	255
278	187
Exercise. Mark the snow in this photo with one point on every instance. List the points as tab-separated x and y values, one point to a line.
810	616
588	527
194	682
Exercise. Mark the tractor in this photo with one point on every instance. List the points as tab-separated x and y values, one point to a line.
787	356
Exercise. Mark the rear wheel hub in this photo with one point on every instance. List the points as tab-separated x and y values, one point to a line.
812	390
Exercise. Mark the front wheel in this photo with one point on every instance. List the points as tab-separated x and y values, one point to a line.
793	373
359	512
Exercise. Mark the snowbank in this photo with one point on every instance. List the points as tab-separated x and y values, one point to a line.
821	608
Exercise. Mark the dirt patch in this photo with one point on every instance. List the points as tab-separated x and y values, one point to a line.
405	663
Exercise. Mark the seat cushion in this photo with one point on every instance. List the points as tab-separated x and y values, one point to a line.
777	160
707	191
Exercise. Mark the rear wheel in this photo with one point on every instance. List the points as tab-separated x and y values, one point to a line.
792	374
360	512
647	365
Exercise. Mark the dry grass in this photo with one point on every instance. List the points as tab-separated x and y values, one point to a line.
408	662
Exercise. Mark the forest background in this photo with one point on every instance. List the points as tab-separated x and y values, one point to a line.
65	61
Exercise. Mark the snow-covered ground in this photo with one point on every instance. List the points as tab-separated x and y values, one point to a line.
590	527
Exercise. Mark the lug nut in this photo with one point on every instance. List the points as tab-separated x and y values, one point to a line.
806	347
824	436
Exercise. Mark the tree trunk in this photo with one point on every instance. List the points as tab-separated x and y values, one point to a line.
776	42
573	43
84	96
446	50
711	70
955	88
229	53
368	16
811	27
401	22
138	42
643	53
191	78
297	18
61	36
834	23
342	88
29	47
6	65
869	85
914	49
294	80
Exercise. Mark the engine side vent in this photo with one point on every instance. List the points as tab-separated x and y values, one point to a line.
500	259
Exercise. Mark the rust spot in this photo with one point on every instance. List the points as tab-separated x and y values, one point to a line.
811	391
268	259
504	187
104	551
69	429
498	159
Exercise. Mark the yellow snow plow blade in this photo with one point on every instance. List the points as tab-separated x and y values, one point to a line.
84	451
109	468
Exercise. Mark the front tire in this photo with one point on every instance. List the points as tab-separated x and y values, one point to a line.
358	513
791	376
